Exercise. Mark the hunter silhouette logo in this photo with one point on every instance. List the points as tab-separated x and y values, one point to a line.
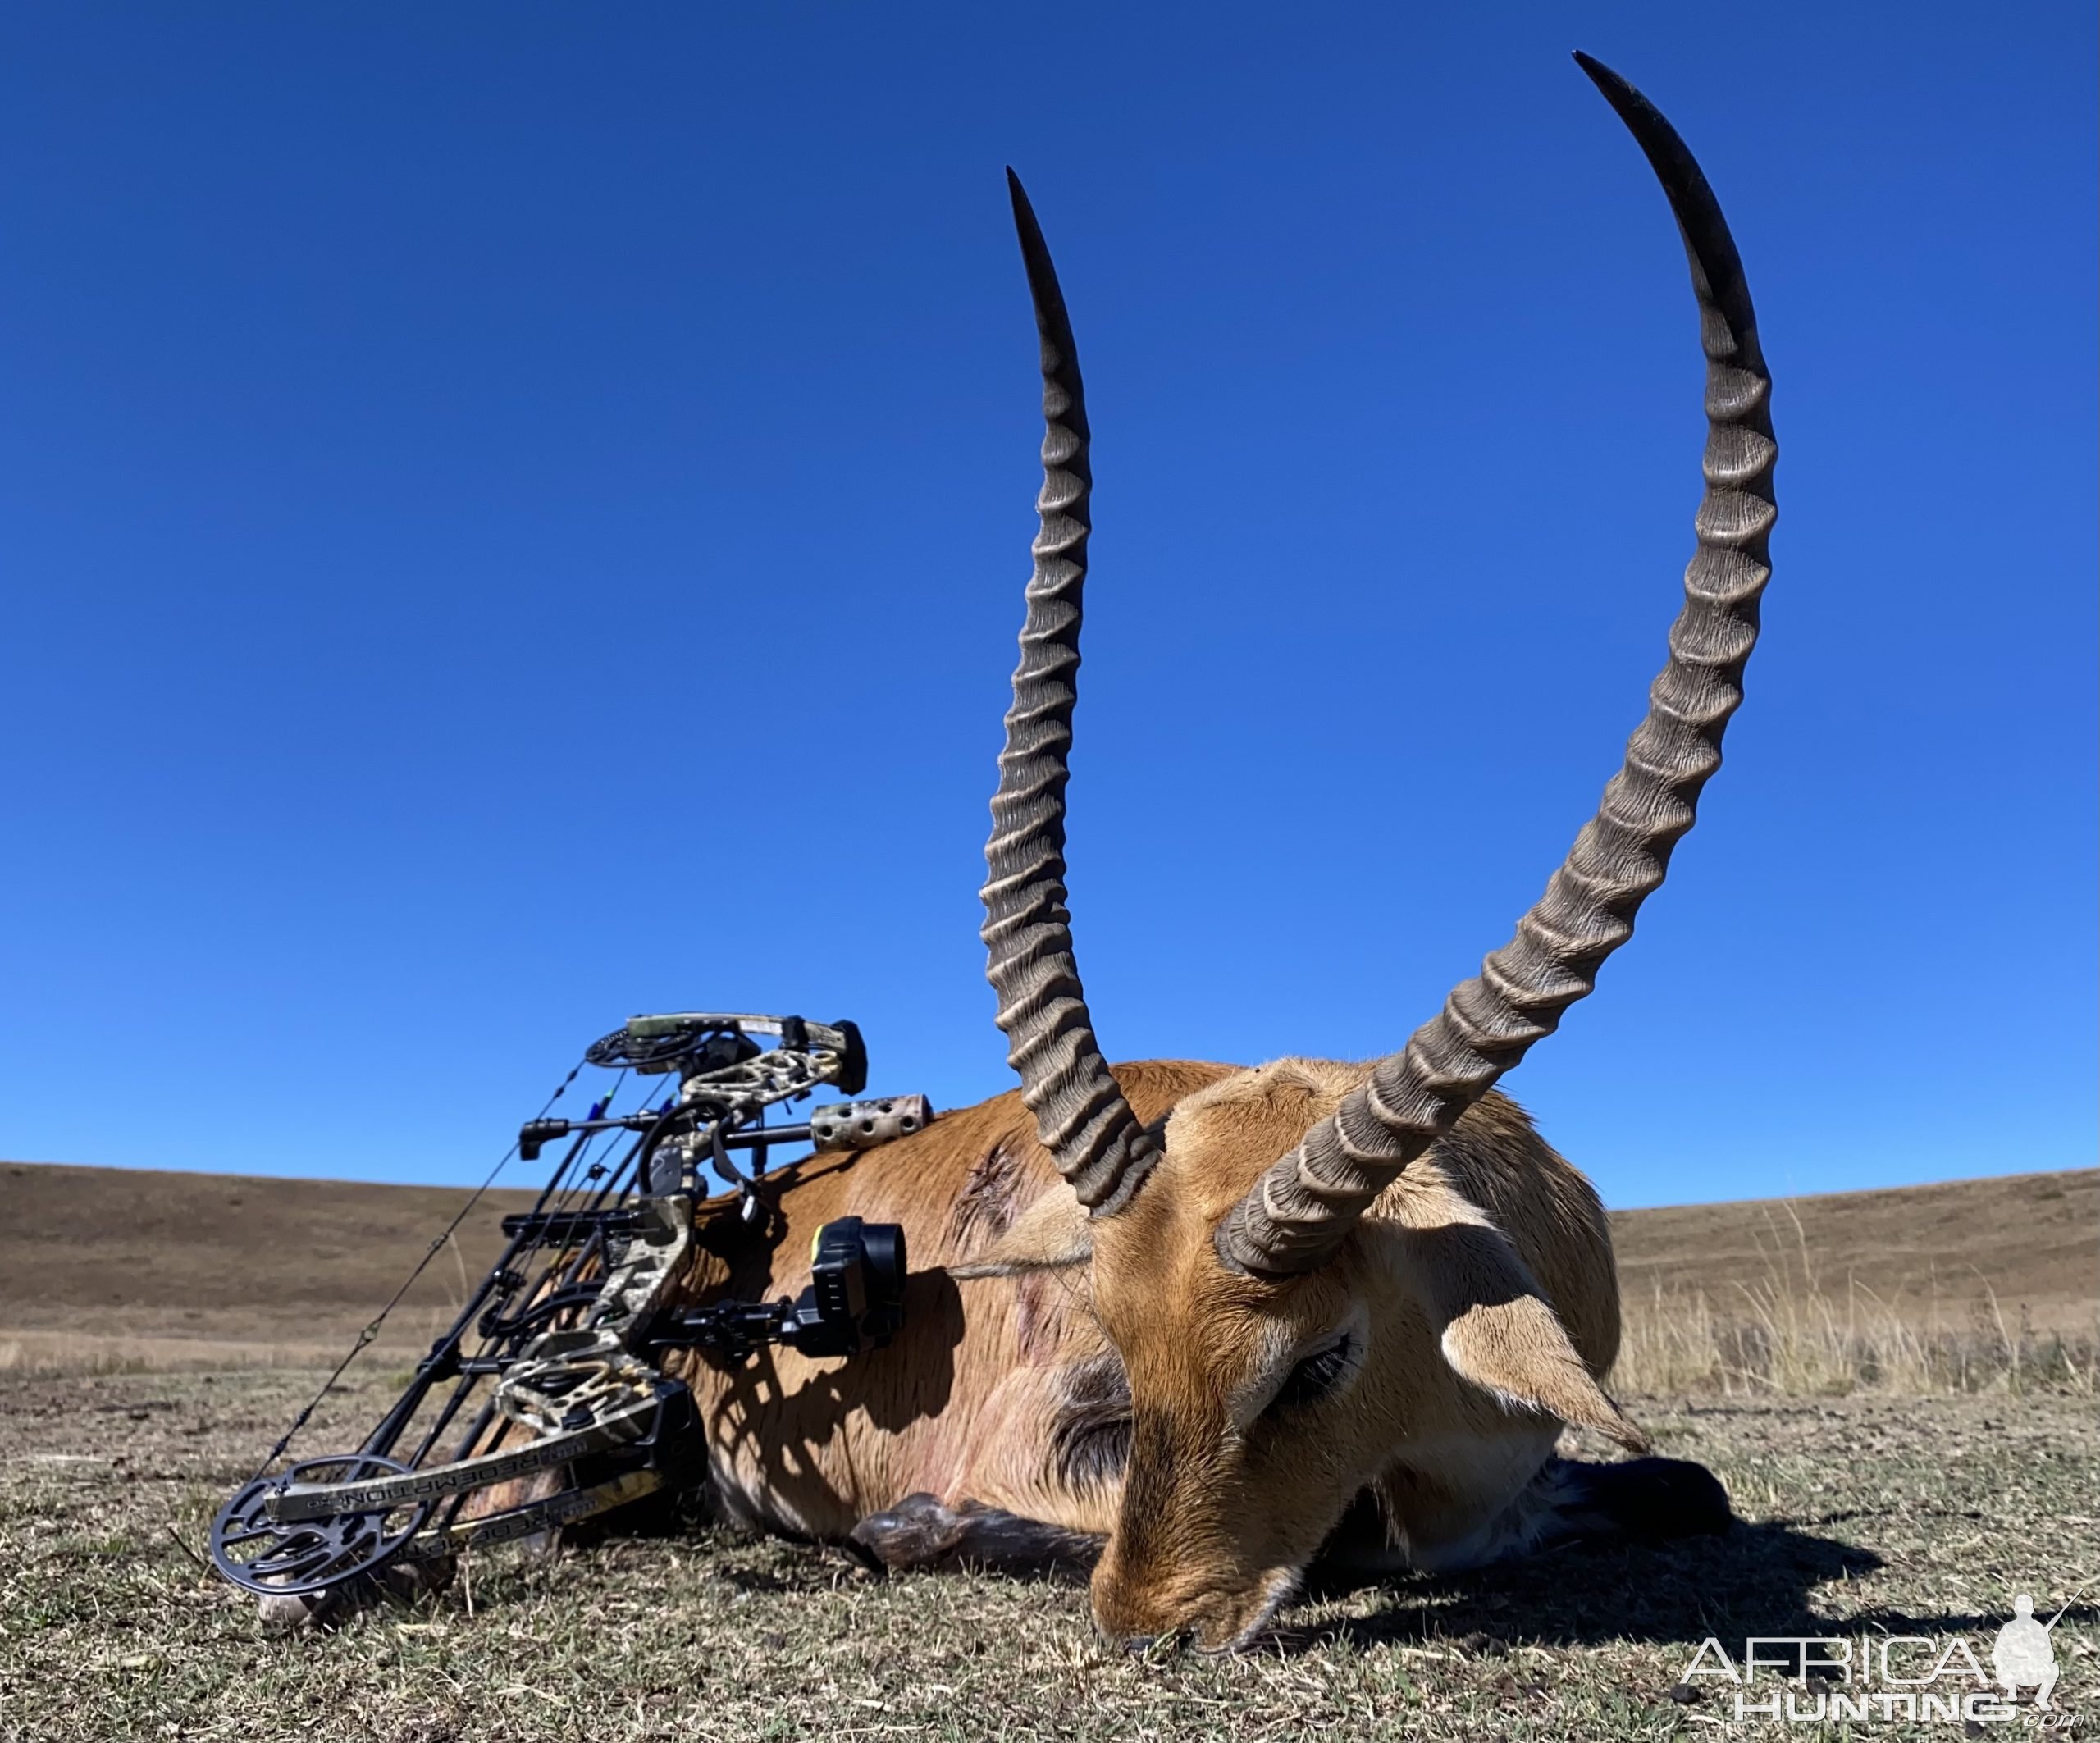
2024	1654
1888	1677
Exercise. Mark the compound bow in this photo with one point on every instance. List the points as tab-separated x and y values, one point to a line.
570	1325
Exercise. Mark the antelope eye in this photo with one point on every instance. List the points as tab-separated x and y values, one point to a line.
1315	1376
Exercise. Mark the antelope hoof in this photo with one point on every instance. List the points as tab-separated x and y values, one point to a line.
920	1532
917	1532
1645	1501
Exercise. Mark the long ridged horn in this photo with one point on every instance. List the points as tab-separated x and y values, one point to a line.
1079	1109
1303	1206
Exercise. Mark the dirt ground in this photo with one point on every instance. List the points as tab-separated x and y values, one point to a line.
1863	1517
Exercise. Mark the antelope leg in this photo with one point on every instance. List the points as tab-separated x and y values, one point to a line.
920	1533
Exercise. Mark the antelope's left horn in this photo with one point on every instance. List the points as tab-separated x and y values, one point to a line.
1080	1109
1304	1207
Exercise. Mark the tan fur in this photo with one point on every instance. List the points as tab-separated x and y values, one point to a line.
1481	1288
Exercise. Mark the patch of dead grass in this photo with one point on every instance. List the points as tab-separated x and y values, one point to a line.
1873	1513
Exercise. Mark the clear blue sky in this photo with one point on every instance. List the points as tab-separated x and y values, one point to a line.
515	514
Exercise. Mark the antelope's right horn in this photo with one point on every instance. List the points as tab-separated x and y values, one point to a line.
1303	1206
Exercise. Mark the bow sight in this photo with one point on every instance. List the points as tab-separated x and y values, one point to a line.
569	1326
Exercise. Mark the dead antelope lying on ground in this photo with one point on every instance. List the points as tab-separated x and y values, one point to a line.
1307	1311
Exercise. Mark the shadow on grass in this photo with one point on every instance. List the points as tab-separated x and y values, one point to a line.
1753	1579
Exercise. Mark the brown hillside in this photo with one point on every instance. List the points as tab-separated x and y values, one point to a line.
294	1267
174	1268
1940	1253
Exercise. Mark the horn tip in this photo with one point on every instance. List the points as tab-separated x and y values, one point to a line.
1617	91
1023	210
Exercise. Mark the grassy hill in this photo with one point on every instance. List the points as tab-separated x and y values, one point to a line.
2030	1243
106	1266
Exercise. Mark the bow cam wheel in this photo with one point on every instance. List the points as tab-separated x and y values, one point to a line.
294	1558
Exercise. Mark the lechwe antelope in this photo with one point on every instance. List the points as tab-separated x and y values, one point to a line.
1309	1311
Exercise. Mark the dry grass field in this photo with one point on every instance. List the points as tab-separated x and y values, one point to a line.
117	1267
1966	1285
120	1268
1898	1389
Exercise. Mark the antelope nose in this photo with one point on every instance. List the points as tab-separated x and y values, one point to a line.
1175	1639
1168	1639
1135	1615
1137	1634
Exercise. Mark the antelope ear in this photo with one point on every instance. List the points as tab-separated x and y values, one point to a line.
1050	1234
1498	1330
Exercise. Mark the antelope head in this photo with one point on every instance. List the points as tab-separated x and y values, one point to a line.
1231	1264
